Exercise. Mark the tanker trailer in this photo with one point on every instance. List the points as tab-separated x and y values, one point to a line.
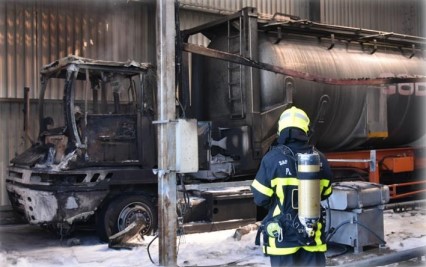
362	89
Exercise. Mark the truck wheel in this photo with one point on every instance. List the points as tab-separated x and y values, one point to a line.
124	210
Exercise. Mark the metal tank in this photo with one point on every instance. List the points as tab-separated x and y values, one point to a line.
356	116
343	116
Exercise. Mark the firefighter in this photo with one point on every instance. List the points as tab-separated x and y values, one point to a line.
274	187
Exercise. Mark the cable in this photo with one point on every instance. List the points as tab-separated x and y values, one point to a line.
334	230
155	237
328	215
183	210
182	108
344	250
356	222
149	254
186	196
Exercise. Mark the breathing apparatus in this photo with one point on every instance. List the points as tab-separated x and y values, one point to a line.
309	195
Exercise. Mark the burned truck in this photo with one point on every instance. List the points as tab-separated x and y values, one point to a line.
92	150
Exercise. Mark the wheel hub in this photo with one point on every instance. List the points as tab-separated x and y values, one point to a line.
131	213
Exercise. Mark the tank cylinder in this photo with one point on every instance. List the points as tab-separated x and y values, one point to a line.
309	196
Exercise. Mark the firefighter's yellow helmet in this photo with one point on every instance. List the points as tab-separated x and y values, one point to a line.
294	117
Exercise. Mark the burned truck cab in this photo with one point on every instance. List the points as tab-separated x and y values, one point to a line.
91	145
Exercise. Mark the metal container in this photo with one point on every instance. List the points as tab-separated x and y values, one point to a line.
357	195
355	212
345	117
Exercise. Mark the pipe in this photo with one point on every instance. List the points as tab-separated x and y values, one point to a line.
405	204
398	256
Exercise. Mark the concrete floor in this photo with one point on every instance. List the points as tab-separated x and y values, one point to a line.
19	239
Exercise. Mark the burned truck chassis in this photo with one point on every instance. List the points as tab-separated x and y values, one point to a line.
58	200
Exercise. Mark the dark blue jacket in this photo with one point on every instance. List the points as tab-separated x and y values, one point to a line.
275	188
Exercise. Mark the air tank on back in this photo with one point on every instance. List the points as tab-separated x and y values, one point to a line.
344	117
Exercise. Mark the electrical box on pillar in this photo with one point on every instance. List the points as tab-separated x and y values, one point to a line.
309	194
186	146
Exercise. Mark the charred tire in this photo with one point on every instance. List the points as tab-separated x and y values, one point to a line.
122	211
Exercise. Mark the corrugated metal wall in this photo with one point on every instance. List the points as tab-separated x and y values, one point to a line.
34	33
12	140
407	17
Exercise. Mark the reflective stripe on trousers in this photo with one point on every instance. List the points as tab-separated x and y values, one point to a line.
286	251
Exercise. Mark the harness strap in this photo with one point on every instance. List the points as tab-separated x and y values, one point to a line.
257	239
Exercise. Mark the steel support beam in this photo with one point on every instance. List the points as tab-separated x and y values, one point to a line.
167	218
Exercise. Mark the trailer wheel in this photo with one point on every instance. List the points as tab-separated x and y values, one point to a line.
124	210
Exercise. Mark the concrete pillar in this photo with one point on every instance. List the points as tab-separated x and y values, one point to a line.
166	34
